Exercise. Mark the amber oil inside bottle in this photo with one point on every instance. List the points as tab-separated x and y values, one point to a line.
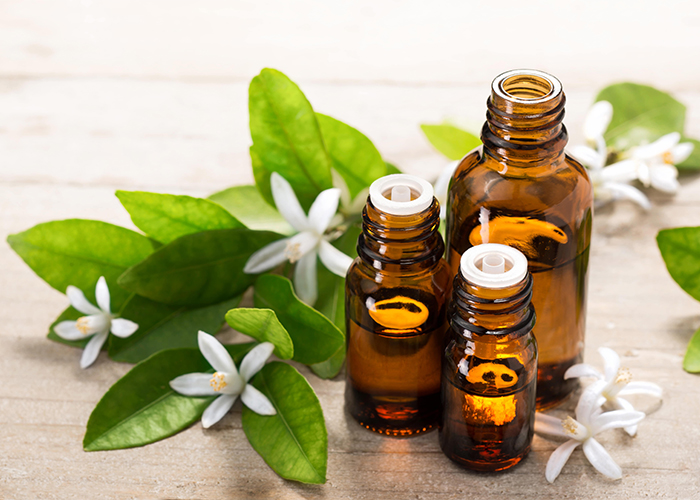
522	190
395	299
489	369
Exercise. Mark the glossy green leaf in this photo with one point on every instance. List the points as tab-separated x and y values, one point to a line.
262	325
294	442
451	141
691	361
248	206
198	269
166	217
141	408
77	252
286	137
640	114
164	327
680	249
331	301
392	169
354	156
693	161
315	337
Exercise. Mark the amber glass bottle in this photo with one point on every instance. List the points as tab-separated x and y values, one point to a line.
489	369
522	190
395	302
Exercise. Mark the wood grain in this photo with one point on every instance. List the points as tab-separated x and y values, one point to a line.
104	95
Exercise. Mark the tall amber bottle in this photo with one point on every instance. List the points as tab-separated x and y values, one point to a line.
395	302
522	190
489	369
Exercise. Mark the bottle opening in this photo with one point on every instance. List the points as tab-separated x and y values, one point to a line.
401	194
525	85
493	265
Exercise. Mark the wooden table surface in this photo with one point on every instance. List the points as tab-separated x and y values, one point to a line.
97	96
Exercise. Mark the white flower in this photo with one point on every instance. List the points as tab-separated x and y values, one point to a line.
98	322
656	162
590	421
226	382
309	242
350	205
442	185
611	182
617	383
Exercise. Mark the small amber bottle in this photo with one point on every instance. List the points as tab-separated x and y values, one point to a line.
522	190
489	368
395	306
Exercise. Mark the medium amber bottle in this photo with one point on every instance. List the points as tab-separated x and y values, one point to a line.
522	190
395	302
489	369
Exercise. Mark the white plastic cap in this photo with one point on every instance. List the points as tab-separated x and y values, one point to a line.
392	194
493	265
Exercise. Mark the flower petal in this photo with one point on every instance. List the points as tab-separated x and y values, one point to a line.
622	171
287	203
67	330
305	278
92	349
588	156
589	403
339	182
597	120
614	420
619	190
657	148
623	404
646	388
600	459
301	244
216	411
123	327
611	362
78	301
215	353
547	424
681	152
664	177
193	384
334	260
582	370
102	295
267	257
257	401
255	360
558	459
323	209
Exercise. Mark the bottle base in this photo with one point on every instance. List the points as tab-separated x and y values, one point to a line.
394	416
552	389
488	465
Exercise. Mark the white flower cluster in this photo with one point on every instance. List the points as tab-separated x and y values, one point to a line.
608	390
654	165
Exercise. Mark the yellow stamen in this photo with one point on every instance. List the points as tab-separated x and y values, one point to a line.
217	381
569	425
82	325
667	157
293	252
623	376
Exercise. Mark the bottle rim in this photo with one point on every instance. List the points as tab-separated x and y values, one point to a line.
515	266
538	81
379	187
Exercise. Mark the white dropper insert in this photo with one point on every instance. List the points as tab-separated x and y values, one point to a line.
401	194
493	265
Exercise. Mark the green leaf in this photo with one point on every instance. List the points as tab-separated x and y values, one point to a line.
315	337
691	361
262	325
198	269
294	442
141	408
693	161
166	217
164	327
640	114
451	141
77	252
354	156
680	249
248	206
392	169
286	138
